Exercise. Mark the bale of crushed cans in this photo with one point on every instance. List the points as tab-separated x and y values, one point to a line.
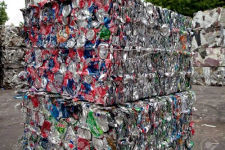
209	28
125	76
214	76
107	74
11	56
209	57
106	52
1	65
1	68
53	122
209	46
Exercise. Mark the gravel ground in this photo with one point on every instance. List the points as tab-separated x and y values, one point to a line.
209	116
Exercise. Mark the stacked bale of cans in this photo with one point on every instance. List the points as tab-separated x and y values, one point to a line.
1	65
11	56
107	75
209	47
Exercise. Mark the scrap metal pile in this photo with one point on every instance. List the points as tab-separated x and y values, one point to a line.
1	65
107	74
209	47
12	52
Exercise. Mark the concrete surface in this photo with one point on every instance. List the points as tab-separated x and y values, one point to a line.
10	121
209	116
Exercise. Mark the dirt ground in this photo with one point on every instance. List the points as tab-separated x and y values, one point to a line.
209	116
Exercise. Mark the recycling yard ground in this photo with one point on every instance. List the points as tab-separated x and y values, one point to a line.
209	116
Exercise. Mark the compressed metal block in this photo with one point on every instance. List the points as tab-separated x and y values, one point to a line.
209	76
209	57
161	122
120	77
209	18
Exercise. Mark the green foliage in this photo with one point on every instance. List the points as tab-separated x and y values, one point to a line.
188	7
3	14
